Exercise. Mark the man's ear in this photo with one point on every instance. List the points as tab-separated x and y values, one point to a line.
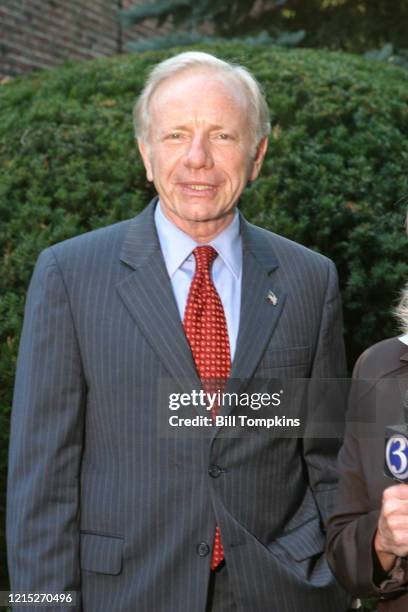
144	152
259	157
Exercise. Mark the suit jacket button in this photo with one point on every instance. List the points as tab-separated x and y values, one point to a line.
203	549
214	471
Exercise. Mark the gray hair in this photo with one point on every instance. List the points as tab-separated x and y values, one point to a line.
401	311
258	109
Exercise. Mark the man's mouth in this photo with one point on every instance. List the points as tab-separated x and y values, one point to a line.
199	188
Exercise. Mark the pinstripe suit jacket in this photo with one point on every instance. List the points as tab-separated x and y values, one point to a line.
98	501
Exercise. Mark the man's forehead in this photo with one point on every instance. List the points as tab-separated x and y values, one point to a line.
198	86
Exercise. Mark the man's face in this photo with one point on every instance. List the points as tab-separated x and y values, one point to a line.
199	151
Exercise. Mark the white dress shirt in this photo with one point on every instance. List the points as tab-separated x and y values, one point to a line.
177	248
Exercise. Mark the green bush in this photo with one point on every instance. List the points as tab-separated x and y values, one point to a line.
335	177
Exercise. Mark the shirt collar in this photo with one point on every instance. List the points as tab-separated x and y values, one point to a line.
228	245
177	246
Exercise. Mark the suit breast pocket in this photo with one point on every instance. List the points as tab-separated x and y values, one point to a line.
290	357
101	553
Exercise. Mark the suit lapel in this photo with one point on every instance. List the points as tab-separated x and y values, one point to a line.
148	296
259	314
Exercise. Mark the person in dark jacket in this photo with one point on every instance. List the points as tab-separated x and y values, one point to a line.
368	533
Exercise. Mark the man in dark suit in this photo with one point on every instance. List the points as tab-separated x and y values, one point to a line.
100	500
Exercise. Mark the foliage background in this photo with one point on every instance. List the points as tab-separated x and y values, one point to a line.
334	178
360	26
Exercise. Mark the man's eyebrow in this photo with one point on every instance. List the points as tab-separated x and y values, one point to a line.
186	127
221	127
176	127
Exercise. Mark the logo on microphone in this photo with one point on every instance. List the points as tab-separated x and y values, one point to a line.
396	456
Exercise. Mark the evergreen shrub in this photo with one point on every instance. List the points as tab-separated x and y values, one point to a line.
335	177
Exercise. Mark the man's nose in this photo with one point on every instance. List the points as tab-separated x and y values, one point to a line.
199	154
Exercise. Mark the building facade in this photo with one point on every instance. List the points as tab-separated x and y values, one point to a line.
37	34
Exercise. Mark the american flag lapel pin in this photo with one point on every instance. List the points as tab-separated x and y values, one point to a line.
272	298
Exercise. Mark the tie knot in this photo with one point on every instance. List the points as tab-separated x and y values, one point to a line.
204	256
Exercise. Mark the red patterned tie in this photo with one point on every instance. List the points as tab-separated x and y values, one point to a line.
206	330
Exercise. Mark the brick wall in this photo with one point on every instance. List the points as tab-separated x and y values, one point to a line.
44	33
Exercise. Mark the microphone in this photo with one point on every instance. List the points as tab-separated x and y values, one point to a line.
396	449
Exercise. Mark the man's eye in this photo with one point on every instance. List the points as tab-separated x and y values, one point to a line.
224	136
175	136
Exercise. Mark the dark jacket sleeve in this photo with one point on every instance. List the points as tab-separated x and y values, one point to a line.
46	442
352	526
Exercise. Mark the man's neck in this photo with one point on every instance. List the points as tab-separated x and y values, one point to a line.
202	232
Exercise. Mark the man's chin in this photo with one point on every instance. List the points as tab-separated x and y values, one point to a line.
207	217
198	214
203	212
